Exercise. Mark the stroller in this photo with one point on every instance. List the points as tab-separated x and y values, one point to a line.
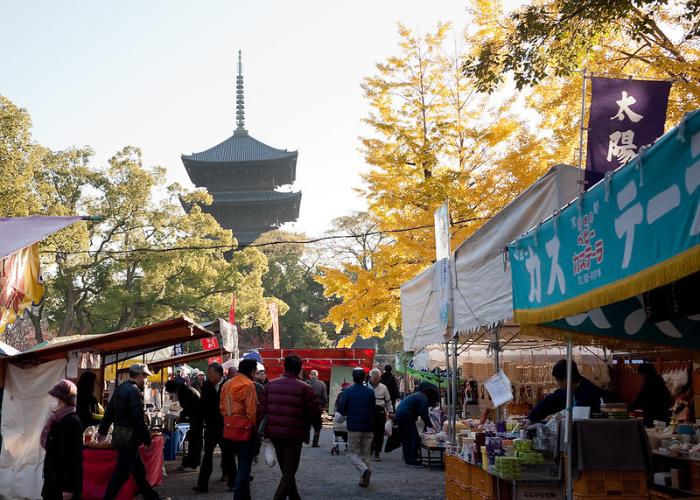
340	434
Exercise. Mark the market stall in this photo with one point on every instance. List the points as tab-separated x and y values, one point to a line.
481	290
26	400
620	267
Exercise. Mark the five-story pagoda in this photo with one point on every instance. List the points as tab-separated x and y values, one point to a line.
242	175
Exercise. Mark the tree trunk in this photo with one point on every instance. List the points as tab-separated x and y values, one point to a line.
69	300
36	322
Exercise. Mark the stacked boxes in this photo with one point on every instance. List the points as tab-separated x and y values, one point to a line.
464	481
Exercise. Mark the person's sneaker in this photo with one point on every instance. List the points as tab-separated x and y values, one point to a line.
200	490
315	445
416	464
188	469
364	479
376	457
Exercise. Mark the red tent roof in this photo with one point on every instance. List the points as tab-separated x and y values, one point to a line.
321	360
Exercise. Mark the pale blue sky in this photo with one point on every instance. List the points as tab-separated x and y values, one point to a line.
160	75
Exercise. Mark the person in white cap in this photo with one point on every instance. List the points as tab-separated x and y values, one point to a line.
125	410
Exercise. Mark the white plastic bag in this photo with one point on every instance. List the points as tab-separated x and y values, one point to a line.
388	427
269	453
338	418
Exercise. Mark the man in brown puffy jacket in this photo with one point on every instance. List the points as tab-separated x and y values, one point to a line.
290	409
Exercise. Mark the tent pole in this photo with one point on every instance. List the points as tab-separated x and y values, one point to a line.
455	384
581	179
448	394
497	365
569	421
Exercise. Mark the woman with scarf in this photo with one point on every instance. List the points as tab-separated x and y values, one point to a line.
62	438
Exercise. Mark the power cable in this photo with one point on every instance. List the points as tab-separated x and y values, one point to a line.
263	244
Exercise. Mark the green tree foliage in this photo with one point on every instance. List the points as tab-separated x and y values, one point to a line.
553	38
290	277
19	158
146	260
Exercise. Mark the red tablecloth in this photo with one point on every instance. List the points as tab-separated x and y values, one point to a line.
99	464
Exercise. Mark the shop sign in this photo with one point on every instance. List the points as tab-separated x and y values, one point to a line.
636	230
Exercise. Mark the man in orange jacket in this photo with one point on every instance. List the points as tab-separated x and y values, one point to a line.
239	398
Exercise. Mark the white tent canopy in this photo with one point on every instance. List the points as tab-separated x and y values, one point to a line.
19	232
482	289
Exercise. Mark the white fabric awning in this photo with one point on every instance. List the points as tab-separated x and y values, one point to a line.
483	293
17	233
420	306
482	288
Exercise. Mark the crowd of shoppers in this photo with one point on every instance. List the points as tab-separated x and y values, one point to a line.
234	414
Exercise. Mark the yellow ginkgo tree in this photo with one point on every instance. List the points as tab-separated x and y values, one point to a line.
434	139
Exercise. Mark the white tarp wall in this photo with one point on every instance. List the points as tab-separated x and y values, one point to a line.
482	289
25	407
483	293
420	310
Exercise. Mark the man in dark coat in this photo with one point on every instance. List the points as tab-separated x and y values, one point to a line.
357	404
319	388
214	427
291	409
389	381
125	410
189	399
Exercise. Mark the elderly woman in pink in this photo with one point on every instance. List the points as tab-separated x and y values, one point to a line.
62	438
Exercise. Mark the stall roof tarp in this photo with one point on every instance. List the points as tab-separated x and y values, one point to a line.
7	350
482	291
152	337
590	268
17	233
316	359
212	326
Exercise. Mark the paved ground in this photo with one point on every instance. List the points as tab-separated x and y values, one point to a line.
321	476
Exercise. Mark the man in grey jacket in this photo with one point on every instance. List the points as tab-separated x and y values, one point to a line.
319	388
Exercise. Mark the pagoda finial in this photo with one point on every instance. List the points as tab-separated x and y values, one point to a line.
240	106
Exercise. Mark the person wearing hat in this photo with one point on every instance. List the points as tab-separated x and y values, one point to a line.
62	438
125	410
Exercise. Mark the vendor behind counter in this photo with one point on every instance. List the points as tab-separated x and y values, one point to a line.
586	393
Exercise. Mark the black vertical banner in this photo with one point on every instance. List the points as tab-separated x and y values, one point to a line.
625	115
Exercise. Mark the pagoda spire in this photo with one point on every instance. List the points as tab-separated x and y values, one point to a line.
240	106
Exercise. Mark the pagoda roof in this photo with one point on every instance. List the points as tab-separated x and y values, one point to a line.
243	197
240	147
